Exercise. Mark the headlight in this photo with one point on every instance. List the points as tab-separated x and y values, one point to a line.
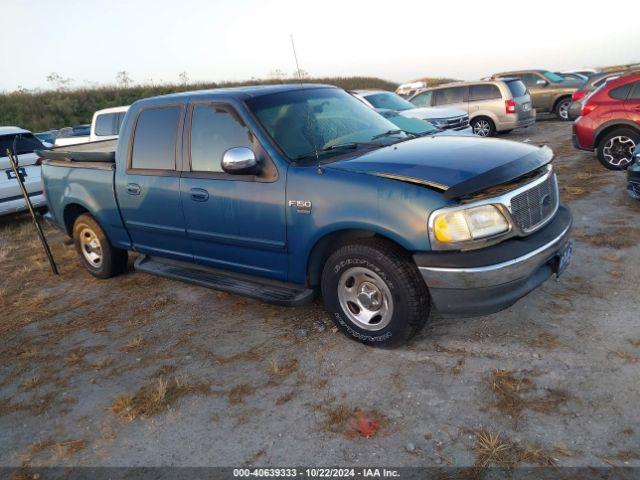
468	224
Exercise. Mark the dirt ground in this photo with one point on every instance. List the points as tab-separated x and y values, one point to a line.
143	371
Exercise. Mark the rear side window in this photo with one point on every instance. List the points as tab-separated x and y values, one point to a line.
214	130
635	93
105	124
517	88
423	99
154	141
621	93
486	91
119	122
446	96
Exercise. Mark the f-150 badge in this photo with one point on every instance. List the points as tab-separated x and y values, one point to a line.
302	206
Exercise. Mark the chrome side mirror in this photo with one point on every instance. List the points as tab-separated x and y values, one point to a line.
239	161
542	83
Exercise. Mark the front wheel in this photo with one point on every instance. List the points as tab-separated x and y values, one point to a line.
562	108
483	127
615	150
374	293
102	259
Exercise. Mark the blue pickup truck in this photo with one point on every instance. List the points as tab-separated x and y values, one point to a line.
280	192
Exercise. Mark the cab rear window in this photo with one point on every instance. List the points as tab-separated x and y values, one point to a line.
26	143
517	88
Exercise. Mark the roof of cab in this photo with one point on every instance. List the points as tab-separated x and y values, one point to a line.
238	93
12	130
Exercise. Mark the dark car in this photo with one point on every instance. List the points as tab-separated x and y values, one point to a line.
591	85
610	122
633	176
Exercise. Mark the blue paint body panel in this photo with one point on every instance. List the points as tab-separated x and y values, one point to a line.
248	226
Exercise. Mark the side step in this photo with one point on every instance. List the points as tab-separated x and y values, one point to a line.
266	290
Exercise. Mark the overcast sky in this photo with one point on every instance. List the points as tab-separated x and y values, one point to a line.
90	41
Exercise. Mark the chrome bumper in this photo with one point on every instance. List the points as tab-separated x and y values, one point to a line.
488	280
505	272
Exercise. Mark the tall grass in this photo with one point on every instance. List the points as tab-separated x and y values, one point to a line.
53	109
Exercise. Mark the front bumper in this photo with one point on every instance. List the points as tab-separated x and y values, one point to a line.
484	281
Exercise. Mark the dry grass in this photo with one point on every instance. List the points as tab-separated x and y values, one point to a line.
134	344
287	397
613	237
516	393
238	393
156	397
349	421
283	370
494	449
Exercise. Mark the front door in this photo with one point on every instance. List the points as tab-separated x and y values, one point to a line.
234	222
148	191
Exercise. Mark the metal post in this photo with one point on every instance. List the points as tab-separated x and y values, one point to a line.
20	179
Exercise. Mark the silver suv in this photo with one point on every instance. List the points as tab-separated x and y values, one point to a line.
493	106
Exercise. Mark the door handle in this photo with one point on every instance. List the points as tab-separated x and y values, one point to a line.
199	195
133	189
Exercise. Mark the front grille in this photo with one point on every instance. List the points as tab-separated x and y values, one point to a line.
533	207
455	123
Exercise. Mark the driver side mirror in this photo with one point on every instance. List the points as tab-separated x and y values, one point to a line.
542	83
239	161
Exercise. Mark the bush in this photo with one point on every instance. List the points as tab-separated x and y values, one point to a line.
45	110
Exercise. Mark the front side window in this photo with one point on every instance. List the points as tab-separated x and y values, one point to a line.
214	130
105	124
154	140
486	91
319	121
389	101
423	99
447	96
530	79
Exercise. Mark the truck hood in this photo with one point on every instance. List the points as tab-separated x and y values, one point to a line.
429	113
456	165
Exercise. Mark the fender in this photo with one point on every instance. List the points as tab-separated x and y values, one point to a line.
614	123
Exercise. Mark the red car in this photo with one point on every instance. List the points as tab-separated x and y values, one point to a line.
610	122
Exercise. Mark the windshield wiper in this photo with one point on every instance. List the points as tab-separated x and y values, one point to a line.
335	148
389	133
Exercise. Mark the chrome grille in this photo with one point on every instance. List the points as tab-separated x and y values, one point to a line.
535	206
455	123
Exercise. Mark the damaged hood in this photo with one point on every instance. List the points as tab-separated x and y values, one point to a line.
456	165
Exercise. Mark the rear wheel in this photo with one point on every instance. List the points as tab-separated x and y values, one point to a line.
615	149
562	108
102	259
483	127
374	293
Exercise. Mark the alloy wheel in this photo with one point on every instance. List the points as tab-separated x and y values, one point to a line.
618	151
482	128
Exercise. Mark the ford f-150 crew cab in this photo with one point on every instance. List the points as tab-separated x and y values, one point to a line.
277	192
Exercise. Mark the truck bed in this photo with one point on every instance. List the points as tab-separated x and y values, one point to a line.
89	155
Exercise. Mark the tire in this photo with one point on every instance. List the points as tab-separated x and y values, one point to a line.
562	108
375	279
615	149
483	127
98	256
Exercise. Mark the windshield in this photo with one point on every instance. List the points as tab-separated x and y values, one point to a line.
303	122
26	143
389	101
552	77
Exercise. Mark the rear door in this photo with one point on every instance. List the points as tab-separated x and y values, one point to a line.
485	97
522	99
148	191
234	222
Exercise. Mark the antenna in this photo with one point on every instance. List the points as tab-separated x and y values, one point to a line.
295	56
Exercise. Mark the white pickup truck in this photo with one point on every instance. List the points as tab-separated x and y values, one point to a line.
105	125
11	199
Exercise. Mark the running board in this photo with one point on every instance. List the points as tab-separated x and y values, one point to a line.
266	290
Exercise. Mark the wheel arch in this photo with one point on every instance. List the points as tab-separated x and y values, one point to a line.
561	97
71	212
330	241
610	126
